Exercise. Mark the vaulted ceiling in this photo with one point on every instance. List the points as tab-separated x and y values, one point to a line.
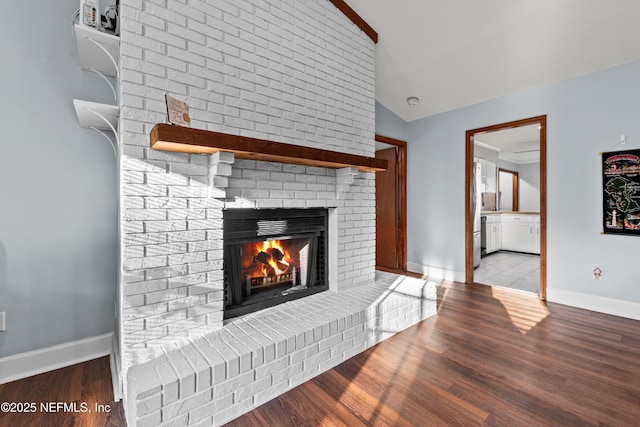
451	54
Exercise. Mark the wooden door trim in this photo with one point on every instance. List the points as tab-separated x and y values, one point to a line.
402	196
468	207
542	122
543	207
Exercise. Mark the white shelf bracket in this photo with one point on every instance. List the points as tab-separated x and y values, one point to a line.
113	145
115	134
113	89
104	49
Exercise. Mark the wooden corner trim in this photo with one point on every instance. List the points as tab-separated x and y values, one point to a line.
356	19
391	141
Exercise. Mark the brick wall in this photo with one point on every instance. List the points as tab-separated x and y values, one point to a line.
297	72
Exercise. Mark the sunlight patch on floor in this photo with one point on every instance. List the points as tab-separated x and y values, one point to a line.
525	311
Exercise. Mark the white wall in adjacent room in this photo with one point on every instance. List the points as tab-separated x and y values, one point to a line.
529	187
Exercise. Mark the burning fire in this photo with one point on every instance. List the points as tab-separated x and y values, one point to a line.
273	263
272	254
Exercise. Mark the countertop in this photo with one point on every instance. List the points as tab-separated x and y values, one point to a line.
510	213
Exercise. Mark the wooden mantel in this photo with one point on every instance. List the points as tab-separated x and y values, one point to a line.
187	140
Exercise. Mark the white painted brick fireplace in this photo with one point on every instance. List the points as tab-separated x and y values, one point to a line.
292	71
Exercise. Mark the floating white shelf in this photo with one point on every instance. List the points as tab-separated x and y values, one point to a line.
96	115
97	51
99	117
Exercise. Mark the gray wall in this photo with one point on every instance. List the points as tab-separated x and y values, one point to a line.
57	187
504	164
485	153
585	115
389	124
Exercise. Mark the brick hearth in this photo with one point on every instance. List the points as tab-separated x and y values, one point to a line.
217	377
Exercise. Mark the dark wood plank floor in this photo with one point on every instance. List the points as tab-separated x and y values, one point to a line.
490	357
88	383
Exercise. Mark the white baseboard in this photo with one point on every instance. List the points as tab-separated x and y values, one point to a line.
435	272
628	309
47	359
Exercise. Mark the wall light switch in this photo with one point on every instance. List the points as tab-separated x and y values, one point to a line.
2	321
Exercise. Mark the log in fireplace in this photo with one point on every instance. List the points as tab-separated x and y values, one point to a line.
272	256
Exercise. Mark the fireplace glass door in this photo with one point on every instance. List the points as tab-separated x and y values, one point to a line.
272	256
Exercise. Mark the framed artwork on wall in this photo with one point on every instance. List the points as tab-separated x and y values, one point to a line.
621	192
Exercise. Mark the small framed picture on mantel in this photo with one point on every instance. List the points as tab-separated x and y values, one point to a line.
178	112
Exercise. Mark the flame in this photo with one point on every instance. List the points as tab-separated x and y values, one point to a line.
274	244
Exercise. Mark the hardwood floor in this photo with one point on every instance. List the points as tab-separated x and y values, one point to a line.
491	356
86	383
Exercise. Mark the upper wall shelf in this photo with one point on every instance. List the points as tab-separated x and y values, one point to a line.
187	140
97	51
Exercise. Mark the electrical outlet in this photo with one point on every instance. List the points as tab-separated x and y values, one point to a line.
597	273
2	317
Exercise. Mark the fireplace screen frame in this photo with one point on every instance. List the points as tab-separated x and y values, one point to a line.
243	226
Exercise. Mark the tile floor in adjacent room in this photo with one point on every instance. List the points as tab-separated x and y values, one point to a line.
510	269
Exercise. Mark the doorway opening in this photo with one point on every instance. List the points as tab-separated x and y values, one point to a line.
391	205
522	218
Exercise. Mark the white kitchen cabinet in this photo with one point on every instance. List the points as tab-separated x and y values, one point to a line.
493	234
516	236
521	233
536	236
483	173
491	177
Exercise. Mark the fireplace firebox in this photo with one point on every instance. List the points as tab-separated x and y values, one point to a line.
272	256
